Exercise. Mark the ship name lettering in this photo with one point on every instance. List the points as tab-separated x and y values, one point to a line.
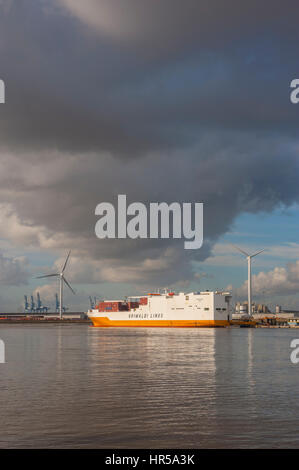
145	315
138	315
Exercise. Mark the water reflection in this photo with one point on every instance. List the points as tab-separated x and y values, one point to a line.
76	386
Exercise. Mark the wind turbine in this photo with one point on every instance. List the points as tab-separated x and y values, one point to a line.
249	274
62	279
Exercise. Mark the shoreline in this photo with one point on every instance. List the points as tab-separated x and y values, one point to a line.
41	321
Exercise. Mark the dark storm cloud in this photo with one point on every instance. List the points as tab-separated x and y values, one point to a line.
174	24
172	100
73	89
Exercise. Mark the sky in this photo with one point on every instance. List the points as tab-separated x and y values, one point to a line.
161	101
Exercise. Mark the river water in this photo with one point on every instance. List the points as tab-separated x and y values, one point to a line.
74	386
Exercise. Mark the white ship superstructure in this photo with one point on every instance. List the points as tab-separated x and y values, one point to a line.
195	309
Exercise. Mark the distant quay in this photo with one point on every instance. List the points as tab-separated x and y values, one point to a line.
69	317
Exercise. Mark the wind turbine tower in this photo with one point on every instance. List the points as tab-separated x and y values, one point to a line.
249	276
62	280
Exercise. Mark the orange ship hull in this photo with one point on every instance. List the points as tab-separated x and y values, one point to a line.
106	322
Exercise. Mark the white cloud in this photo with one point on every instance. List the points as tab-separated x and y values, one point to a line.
278	281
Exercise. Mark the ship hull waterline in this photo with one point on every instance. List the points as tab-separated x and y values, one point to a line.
106	322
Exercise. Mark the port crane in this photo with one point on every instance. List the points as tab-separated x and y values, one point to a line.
93	302
26	304
40	307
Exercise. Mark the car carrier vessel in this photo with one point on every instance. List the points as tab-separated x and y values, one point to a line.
195	309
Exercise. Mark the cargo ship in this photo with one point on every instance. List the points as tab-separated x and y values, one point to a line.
195	309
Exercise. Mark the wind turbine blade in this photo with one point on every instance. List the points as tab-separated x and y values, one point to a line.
257	253
67	258
241	251
68	285
46	275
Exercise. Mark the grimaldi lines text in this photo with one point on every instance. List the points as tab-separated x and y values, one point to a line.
195	309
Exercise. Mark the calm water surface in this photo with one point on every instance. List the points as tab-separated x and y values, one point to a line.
74	386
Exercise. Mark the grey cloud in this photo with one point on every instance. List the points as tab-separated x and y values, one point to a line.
166	103
228	181
72	90
169	20
13	271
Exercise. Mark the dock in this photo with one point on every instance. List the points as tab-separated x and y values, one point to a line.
78	318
